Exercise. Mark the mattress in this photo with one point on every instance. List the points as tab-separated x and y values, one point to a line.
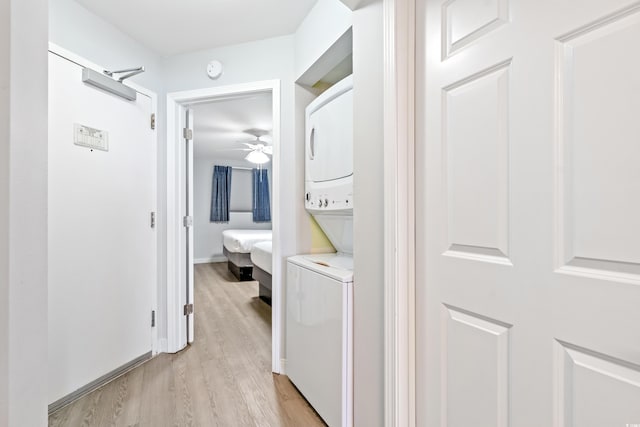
261	255
241	241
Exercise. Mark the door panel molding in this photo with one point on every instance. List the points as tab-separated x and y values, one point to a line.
576	369
596	214
475	139
461	368
460	30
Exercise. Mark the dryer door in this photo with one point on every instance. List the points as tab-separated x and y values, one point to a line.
330	140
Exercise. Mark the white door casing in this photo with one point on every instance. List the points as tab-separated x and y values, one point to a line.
527	207
177	103
102	247
399	214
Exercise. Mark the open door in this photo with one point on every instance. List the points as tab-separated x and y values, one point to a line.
188	222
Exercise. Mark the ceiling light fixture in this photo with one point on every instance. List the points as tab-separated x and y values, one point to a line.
257	157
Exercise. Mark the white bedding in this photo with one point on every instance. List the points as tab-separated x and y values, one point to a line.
241	241
261	255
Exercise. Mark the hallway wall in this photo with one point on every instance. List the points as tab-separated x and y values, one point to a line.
23	213
76	29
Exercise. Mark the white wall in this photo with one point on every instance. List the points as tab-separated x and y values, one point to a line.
368	50
78	30
23	213
322	27
246	62
207	235
5	198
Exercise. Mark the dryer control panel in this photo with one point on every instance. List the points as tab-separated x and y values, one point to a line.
329	198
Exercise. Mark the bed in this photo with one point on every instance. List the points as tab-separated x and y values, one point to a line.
237	246
261	257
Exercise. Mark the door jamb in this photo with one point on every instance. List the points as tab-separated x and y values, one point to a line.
176	102
399	215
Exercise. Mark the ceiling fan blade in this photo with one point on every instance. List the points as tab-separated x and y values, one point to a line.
268	150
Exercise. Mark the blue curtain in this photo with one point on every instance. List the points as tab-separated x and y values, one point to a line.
261	208
220	194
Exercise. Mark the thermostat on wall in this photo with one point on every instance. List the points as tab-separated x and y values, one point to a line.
214	69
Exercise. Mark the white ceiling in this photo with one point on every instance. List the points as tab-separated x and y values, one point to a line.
171	27
218	126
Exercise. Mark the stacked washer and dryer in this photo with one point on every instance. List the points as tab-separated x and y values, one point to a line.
319	309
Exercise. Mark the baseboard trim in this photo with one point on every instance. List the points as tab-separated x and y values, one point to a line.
93	385
219	258
283	367
162	346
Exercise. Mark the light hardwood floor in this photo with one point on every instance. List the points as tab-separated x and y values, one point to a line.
223	379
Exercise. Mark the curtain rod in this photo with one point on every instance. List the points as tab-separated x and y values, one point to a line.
241	168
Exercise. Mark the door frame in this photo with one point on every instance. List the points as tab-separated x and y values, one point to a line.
156	345
175	172
399	212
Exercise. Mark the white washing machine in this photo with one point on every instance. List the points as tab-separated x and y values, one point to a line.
319	334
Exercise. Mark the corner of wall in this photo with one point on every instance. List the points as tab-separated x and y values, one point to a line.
24	213
368	64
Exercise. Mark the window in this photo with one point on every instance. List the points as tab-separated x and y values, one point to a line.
241	190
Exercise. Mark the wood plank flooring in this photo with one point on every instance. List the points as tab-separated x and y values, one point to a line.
223	379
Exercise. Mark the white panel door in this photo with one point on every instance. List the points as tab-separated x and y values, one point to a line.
528	213
102	248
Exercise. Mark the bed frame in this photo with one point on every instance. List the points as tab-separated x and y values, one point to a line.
264	280
239	264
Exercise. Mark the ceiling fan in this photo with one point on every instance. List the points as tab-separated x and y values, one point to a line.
259	152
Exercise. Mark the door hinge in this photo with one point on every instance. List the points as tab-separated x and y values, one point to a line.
187	133
153	121
153	318
188	309
153	220
187	221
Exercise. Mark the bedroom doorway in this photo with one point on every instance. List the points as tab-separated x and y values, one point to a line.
188	114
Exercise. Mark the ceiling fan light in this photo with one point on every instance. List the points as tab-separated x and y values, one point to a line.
257	157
